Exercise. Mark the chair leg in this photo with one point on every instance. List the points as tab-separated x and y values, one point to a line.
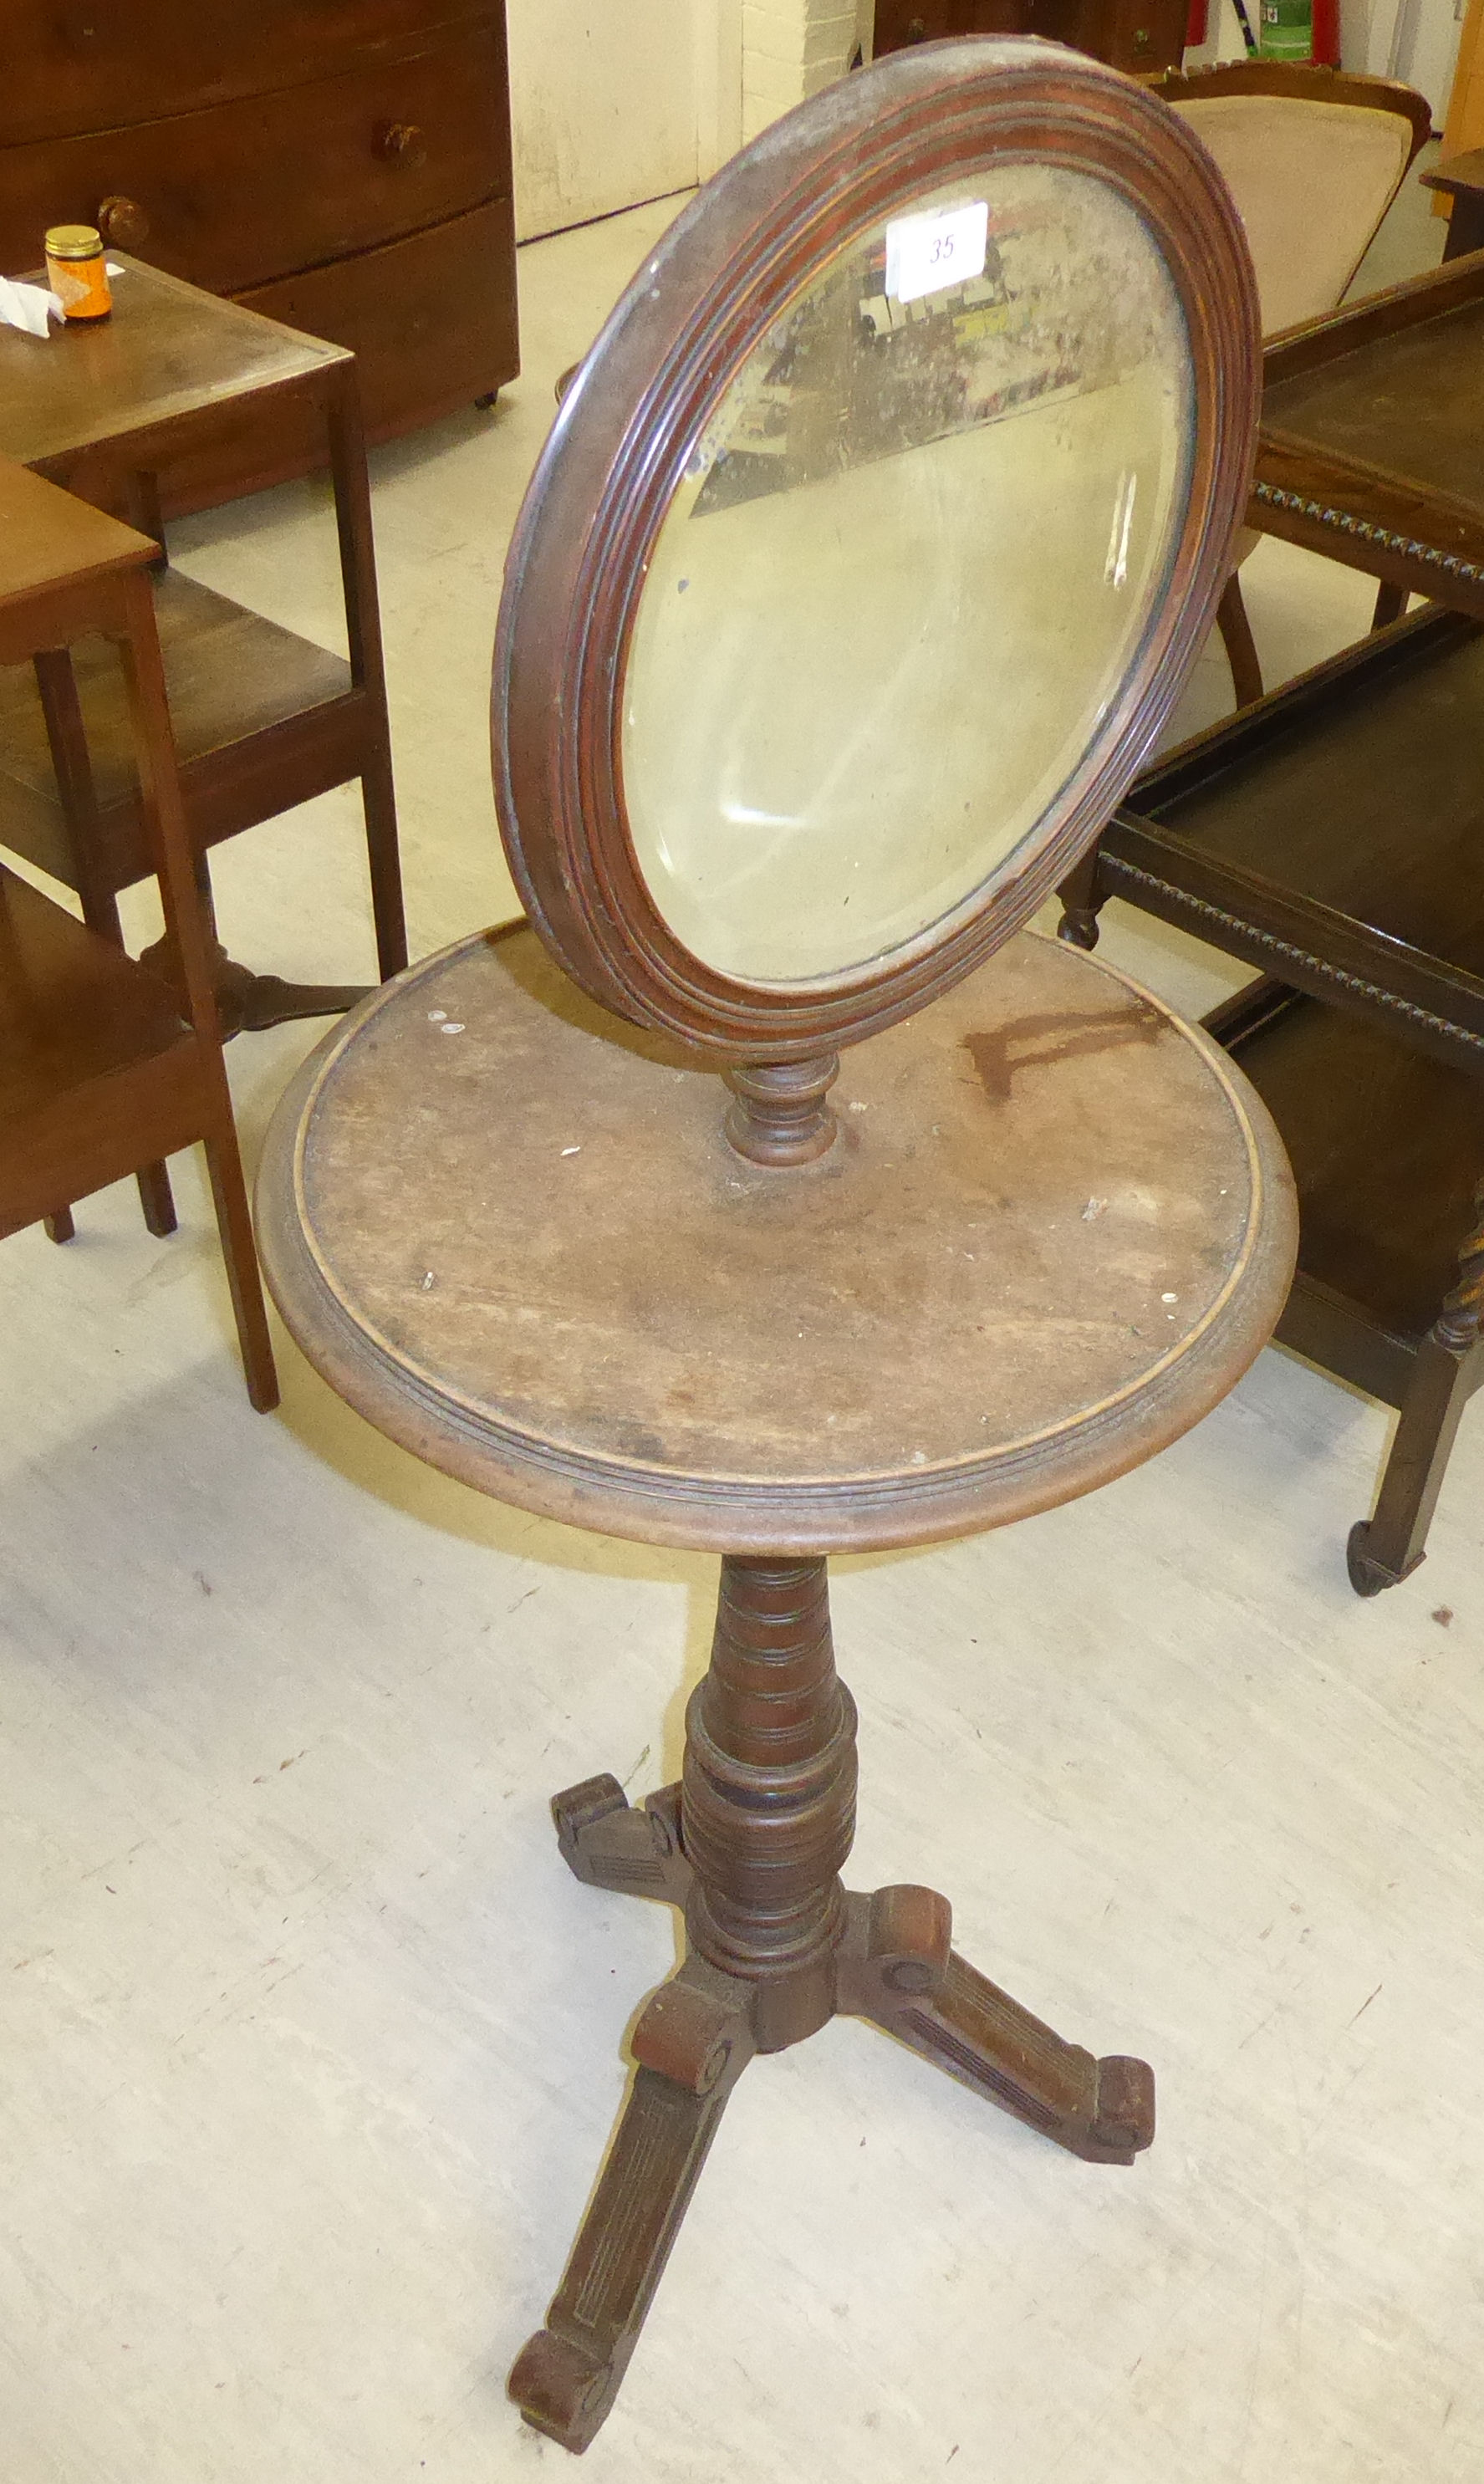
1081	899
157	1198
60	1227
234	1224
1386	1548
1390	605
1236	637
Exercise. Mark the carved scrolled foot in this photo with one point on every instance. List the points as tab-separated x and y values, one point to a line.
899	1970
611	1845
563	2388
691	2044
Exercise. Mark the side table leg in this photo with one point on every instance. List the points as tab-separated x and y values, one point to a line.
1384	1549
691	2045
898	1969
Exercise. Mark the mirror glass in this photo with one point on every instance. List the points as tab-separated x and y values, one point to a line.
910	561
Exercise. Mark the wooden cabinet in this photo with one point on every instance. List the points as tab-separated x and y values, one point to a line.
1139	35
342	165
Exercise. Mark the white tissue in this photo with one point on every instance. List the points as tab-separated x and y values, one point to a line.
31	307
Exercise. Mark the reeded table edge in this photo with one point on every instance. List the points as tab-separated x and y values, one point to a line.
801	1514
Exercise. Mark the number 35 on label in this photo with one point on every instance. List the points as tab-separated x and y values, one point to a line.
927	253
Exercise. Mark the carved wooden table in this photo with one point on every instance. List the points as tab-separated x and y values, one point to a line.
1055	1229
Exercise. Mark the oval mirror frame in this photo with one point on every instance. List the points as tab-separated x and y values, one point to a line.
706	297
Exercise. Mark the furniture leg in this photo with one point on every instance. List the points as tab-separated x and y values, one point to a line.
1081	902
1387	1548
750	1842
898	1970
186	931
62	708
691	2044
1236	636
59	1226
1390	605
234	1224
157	1198
378	801
362	629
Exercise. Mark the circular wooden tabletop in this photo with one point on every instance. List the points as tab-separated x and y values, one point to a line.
1056	1226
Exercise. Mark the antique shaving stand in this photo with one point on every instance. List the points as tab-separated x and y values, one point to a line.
972	338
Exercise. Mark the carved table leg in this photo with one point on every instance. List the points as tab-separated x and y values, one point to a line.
899	1970
691	2044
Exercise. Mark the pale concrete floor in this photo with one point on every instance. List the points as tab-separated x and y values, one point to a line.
311	2045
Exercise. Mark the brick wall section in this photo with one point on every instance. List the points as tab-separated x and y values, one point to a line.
792	47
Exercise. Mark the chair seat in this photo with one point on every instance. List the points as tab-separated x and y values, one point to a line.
72	1008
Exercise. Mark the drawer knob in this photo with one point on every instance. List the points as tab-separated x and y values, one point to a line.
401	141
123	221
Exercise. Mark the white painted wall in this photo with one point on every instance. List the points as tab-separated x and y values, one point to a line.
612	101
791	48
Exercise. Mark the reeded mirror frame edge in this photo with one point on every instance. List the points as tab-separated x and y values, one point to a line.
599	495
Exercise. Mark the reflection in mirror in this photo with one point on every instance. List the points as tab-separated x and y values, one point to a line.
912	558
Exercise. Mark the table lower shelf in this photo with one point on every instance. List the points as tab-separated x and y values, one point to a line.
262	719
1387	1146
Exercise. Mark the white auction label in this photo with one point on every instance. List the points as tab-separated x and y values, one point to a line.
927	253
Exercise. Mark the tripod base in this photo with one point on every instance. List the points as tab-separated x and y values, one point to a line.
894	1964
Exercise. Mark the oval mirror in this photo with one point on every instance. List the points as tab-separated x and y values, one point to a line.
909	562
873	544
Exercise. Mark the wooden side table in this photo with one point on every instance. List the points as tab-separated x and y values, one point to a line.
1331	835
101	1074
262	719
1368	450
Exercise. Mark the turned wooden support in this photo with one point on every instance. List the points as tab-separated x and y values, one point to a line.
779	1114
768	1798
1459	1323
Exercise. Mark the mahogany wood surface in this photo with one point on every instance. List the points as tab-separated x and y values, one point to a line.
235	195
361	143
104	1071
1369	447
865	1350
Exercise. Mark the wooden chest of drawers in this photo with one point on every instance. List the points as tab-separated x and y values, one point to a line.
1140	36
342	165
